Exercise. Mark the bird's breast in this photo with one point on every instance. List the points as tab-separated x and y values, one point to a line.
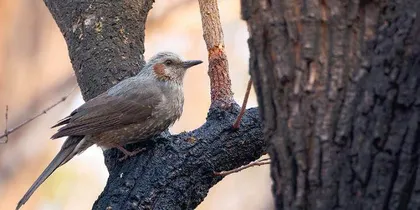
173	102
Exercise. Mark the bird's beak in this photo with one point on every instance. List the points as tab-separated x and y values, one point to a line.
191	63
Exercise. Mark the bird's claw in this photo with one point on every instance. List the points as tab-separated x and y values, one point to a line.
128	154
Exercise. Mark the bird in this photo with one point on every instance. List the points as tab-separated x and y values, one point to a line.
132	111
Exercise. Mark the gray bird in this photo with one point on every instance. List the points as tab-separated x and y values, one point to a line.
134	110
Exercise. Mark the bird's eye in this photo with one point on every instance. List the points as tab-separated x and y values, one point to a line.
168	62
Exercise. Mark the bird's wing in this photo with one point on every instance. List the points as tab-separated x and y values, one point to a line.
111	111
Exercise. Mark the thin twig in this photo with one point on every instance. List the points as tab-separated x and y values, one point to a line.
261	162
6	116
8	132
242	112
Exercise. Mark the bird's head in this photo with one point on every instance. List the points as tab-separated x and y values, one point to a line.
168	66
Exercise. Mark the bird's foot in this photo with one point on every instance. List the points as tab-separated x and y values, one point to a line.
127	153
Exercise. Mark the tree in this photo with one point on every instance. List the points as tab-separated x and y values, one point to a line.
339	93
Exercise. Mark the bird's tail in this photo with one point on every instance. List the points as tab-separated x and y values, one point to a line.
70	148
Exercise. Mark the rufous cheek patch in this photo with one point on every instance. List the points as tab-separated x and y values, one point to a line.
159	70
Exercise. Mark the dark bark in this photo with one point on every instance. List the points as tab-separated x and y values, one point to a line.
338	84
177	171
105	41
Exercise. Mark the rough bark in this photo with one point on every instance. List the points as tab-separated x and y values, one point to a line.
338	84
221	92
105	41
176	172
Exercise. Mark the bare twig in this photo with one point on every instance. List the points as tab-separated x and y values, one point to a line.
261	162
242	112
221	92
6	116
8	132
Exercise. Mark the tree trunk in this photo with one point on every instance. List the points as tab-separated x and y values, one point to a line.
105	40
338	84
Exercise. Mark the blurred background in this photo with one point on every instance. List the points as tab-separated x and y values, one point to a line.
35	72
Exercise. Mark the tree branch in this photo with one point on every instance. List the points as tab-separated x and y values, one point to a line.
177	171
7	131
265	161
243	108
105	40
221	92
